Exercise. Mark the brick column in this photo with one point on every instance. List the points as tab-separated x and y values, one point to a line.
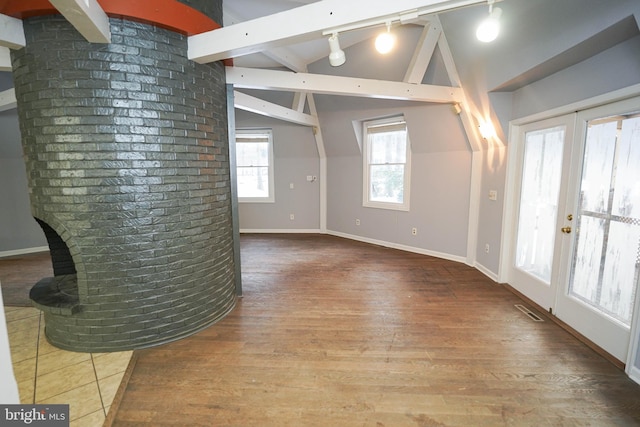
127	158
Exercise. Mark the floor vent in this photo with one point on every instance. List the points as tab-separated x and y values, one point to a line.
529	313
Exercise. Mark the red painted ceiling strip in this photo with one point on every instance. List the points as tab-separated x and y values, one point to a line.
168	14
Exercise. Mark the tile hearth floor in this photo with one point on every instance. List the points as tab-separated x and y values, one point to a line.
88	382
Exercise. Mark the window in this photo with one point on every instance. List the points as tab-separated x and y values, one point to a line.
254	159
387	164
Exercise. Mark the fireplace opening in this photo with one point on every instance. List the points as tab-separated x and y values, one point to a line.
60	255
57	294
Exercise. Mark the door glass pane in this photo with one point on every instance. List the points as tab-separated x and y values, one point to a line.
618	283
586	267
626	196
598	162
606	259
541	174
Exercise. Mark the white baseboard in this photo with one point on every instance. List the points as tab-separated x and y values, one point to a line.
484	270
281	231
634	374
406	248
4	254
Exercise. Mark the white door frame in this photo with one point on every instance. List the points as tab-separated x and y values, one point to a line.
510	206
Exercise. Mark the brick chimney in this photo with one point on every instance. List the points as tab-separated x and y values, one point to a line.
126	151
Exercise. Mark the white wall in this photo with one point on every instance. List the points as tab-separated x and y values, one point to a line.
9	389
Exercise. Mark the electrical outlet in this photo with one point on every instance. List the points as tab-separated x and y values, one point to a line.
291	185
357	221
414	231
486	248
292	217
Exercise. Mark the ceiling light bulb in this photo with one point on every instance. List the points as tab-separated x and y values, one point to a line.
336	55
385	42
489	29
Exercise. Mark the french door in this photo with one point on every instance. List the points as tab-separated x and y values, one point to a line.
577	234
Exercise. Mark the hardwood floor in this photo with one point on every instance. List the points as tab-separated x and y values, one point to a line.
19	273
332	332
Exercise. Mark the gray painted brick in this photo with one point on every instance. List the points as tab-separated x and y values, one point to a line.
110	137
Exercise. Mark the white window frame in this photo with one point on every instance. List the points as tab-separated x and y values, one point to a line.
247	133
390	123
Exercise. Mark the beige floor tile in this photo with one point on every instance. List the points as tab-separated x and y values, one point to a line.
82	400
25	370
59	359
26	388
23	346
60	376
108	364
65	379
95	419
109	387
26	324
23	338
13	314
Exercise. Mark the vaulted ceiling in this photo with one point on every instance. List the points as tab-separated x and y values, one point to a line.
279	50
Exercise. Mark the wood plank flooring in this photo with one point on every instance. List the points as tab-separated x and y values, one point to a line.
332	332
19	273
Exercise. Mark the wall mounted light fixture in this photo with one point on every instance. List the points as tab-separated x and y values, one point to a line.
489	29
336	55
487	130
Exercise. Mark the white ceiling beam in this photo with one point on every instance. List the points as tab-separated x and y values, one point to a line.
252	78
87	17
8	99
299	101
287	58
264	108
11	32
423	53
5	59
466	115
304	23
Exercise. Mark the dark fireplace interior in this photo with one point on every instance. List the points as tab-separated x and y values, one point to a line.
60	255
58	294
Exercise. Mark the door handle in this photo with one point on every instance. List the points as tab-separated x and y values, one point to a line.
566	230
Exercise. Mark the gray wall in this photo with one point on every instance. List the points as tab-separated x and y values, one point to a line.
615	68
440	180
295	157
18	229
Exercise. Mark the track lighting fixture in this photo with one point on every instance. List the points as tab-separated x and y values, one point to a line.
336	55
489	29
385	41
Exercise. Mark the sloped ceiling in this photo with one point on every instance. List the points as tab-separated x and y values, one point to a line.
538	39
